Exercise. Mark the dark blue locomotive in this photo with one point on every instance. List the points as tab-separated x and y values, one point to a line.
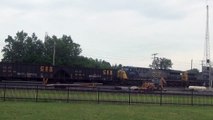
174	78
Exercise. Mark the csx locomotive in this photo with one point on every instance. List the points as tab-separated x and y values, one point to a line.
49	74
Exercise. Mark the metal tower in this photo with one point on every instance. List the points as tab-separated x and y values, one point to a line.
207	62
207	45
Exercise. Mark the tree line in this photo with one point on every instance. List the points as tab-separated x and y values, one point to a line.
25	48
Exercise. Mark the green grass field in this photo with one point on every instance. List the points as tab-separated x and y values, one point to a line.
87	111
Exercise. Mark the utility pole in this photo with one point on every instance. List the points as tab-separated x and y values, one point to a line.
155	72
54	53
154	59
45	37
154	54
191	64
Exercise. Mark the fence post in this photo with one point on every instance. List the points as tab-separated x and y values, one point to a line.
129	96
4	91
37	93
161	96
68	94
98	95
192	97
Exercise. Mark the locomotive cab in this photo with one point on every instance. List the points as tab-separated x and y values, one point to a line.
121	74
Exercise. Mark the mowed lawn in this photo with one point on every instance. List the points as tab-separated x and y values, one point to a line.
90	111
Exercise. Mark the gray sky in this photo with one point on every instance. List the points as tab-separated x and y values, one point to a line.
118	31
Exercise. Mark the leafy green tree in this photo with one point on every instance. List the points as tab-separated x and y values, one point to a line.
82	61
8	50
23	48
119	66
65	50
29	49
33	50
161	63
165	63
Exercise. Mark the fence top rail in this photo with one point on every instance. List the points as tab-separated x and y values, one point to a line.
185	92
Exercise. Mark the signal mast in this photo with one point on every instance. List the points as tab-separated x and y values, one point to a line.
206	69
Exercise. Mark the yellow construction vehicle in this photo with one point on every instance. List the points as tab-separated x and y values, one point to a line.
158	84
148	86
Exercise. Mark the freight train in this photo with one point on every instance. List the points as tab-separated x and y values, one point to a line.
49	74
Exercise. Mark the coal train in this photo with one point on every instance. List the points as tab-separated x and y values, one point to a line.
48	74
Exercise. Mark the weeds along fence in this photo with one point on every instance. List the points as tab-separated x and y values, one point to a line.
40	93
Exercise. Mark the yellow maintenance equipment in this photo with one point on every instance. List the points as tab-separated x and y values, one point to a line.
148	86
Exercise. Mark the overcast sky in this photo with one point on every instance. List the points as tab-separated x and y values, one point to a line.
118	31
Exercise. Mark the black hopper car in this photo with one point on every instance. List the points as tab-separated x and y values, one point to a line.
49	74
